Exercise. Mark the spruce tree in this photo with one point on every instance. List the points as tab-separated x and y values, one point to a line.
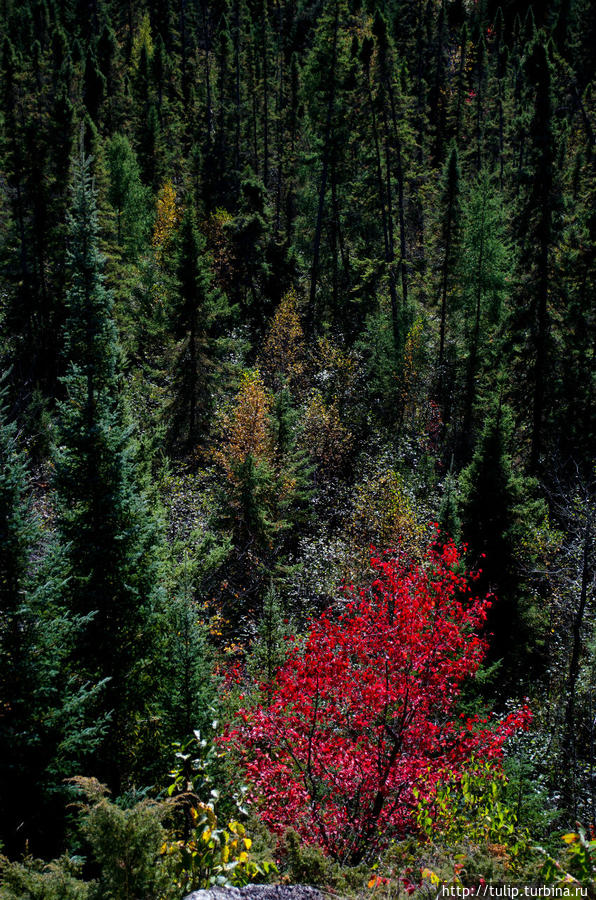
108	537
189	686
17	628
270	649
41	706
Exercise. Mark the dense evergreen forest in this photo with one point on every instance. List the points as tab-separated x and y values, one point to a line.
297	422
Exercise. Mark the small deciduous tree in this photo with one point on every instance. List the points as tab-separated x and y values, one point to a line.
362	720
166	219
284	355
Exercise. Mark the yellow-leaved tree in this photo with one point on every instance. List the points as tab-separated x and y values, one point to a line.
284	355
326	437
266	488
245	429
383	517
142	40
167	218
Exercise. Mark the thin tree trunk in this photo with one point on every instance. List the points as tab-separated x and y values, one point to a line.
265	96
324	175
540	364
470	388
208	100
399	172
238	116
280	126
391	249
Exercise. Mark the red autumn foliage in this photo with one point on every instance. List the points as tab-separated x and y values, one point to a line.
364	713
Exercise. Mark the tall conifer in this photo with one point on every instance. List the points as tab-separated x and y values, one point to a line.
107	535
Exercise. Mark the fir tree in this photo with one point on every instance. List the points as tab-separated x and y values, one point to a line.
498	512
269	651
17	627
189	686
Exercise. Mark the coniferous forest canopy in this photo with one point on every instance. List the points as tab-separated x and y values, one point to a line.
297	306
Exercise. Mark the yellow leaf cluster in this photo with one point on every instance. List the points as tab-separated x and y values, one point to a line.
383	517
327	438
142	38
413	359
412	353
245	429
166	219
284	350
223	258
341	364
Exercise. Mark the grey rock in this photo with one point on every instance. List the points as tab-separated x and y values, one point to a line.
260	892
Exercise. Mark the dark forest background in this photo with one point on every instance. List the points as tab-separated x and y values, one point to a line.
282	280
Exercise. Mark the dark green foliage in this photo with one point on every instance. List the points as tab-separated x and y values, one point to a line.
18	627
482	272
450	234
191	689
536	229
295	470
199	318
250	236
41	730
270	648
449	520
94	86
498	512
125	845
34	878
108	536
127	195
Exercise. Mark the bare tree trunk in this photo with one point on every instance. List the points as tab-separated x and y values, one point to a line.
310	319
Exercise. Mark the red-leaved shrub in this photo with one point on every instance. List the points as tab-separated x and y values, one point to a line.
364	712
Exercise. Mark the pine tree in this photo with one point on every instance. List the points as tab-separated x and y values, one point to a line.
17	627
448	520
270	651
294	474
108	537
94	86
189	685
323	82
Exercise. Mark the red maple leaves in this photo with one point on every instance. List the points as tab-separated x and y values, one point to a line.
363	714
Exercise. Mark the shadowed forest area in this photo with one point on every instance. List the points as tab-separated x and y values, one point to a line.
297	421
